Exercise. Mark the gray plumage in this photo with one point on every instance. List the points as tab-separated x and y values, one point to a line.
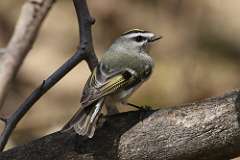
122	69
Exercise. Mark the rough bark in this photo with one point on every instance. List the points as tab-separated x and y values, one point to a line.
202	130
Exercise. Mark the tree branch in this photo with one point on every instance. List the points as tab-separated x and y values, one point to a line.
85	52
205	130
85	21
32	15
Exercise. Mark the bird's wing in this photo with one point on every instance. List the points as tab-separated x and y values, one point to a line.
101	84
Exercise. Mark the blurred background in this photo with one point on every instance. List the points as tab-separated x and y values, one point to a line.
197	58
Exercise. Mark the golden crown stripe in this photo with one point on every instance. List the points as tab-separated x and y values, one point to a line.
134	31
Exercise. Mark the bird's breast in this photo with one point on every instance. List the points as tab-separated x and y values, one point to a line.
141	63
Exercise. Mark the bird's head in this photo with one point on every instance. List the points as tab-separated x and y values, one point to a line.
135	40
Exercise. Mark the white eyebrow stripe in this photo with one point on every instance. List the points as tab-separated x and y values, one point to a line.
131	35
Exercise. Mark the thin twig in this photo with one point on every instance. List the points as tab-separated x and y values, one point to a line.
85	21
85	52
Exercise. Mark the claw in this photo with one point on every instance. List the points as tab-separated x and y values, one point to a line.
144	108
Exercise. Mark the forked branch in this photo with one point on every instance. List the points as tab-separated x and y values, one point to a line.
84	52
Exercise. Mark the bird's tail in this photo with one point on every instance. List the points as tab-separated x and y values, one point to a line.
85	120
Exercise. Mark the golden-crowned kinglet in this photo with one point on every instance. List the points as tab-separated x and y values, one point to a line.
122	69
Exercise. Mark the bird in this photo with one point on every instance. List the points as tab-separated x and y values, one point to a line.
122	69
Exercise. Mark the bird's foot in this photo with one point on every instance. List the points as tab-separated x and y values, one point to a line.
144	108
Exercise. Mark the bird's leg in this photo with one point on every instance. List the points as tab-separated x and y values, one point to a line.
111	106
111	109
141	108
145	108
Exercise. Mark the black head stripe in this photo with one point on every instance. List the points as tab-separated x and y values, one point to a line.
134	31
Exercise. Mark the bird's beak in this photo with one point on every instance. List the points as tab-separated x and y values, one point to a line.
154	38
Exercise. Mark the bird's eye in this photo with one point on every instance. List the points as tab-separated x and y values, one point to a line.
139	38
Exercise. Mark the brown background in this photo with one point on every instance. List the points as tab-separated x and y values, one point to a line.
197	58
